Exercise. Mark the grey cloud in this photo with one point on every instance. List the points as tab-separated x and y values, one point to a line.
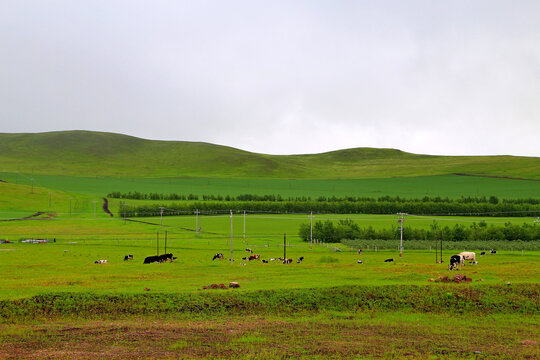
278	77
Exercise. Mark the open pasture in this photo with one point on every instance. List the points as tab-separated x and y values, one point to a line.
452	186
68	266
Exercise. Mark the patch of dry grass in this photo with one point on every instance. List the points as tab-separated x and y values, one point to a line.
372	335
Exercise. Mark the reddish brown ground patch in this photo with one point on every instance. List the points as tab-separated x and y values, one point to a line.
254	337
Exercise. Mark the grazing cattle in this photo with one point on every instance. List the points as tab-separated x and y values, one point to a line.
128	257
151	259
166	257
249	250
456	261
159	259
359	251
288	261
265	261
254	257
469	256
389	260
359	262
492	252
482	253
218	256
300	259
100	262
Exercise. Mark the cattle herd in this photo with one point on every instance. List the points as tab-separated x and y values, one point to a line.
251	257
148	260
456	261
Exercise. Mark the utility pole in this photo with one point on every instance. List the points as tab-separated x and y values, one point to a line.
161	217
284	248
231	238
311	230
436	248
401	221
197	227
441	246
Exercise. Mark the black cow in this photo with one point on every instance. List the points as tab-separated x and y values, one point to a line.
265	261
492	252
389	260
482	253
159	259
151	259
218	256
128	257
249	250
456	261
288	261
166	257
300	259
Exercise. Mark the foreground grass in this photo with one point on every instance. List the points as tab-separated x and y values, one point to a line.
435	298
329	335
447	321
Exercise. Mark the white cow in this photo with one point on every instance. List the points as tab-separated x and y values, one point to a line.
100	262
469	256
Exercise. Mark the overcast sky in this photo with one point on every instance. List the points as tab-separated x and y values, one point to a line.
279	77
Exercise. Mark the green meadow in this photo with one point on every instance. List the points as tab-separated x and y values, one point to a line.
55	302
68	266
451	186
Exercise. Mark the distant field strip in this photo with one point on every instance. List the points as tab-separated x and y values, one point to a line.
451	186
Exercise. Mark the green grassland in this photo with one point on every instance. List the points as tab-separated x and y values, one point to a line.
451	186
67	265
84	153
56	303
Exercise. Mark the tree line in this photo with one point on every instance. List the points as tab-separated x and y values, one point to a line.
278	198
340	207
333	232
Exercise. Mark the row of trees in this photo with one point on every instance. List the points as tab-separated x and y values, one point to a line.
151	196
331	232
367	207
270	197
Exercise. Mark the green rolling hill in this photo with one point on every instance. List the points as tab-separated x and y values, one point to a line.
86	153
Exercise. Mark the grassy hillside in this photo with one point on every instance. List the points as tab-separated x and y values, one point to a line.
84	153
20	201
